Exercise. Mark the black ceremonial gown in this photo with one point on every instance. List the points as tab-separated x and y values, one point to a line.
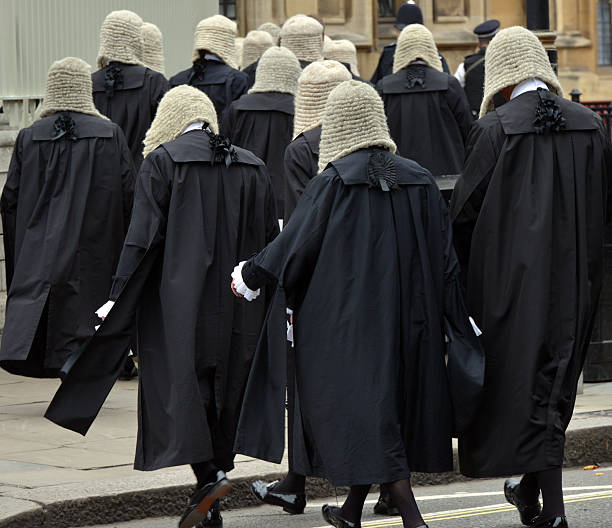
263	124
429	117
222	83
65	211
192	221
301	165
528	215
373	281
128	95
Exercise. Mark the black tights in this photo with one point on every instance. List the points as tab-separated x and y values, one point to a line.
205	472
403	498
550	483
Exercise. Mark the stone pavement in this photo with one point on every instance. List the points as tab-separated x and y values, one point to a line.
55	477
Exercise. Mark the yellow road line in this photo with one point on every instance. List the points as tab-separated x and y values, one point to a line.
474	512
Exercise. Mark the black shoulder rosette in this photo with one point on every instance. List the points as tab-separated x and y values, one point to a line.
222	149
381	171
415	76
549	117
64	127
198	69
113	79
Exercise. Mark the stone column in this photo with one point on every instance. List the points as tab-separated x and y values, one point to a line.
538	20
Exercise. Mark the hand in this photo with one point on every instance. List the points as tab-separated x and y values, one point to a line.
234	290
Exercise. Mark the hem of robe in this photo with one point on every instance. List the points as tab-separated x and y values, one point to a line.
181	461
516	470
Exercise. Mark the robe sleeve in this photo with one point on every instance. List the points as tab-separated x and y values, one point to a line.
128	175
378	73
148	223
460	107
466	360
470	190
227	122
298	172
8	207
291	257
240	86
271	215
159	89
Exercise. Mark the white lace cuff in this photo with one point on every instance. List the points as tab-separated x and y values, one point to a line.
240	286
104	310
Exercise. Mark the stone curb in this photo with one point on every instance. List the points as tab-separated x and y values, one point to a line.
583	447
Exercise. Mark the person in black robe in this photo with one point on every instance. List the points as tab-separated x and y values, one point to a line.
529	213
427	111
214	69
65	210
301	165
408	13
385	216
253	47
200	204
124	90
262	120
302	154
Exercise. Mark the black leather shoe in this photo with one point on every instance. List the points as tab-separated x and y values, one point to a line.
528	512
557	522
293	503
202	500
385	505
213	517
332	515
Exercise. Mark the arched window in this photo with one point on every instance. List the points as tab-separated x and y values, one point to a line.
604	39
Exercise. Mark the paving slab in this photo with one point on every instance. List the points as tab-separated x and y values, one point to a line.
55	476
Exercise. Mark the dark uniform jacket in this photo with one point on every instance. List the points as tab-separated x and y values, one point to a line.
474	80
528	217
128	95
222	83
385	63
193	220
65	211
429	117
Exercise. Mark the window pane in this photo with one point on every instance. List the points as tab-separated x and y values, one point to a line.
604	42
385	9
228	8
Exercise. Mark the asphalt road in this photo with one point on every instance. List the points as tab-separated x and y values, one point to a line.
474	504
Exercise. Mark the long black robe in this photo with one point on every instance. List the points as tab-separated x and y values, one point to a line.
222	83
528	216
429	117
65	211
263	123
301	165
373	281
192	221
130	100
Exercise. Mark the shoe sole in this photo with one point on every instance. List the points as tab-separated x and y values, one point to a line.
199	513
